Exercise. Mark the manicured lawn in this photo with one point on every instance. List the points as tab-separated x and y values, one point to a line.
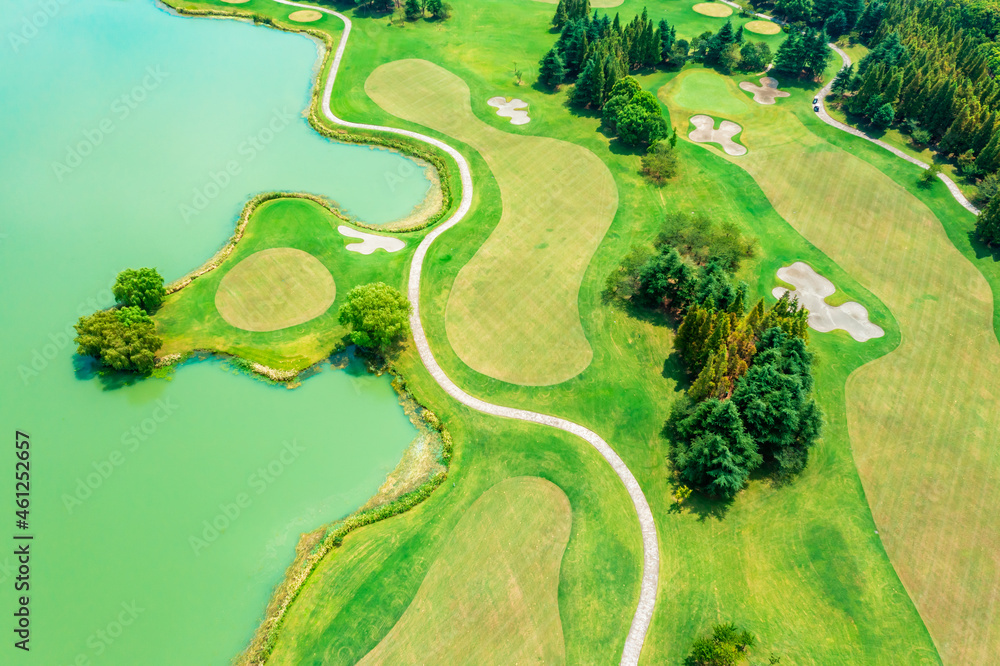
800	565
921	418
491	596
517	298
190	320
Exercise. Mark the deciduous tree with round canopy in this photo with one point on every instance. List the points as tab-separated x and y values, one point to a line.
142	288
377	314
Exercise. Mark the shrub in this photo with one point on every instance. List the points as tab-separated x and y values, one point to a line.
142	288
124	339
659	164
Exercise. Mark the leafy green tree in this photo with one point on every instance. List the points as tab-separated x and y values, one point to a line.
124	339
817	53
142	288
438	9
551	70
794	10
718	43
988	223
668	38
730	58
413	10
842	82
790	56
755	56
987	189
710	448
377	314
659	164
883	116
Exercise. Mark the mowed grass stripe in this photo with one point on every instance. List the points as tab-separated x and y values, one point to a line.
923	418
513	311
491	596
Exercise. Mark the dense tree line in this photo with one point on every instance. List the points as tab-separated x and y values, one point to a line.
125	338
932	69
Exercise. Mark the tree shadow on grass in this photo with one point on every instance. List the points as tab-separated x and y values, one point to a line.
86	368
707	508
981	249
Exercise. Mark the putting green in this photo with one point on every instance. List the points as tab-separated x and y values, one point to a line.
762	27
275	289
492	595
923	418
305	16
704	91
512	313
714	9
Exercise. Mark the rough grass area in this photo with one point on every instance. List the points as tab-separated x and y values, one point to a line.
190	319
275	289
491	595
923	418
515	303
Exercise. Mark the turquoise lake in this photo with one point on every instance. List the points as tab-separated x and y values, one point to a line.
119	120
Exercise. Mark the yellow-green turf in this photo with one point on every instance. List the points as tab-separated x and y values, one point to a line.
513	312
190	320
274	289
713	9
762	27
491	595
596	4
923	419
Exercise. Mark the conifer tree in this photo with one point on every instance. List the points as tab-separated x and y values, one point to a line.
551	70
989	159
988	223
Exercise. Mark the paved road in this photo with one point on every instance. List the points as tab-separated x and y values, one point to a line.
650	545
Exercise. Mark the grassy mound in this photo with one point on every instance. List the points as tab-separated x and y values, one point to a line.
275	289
515	303
491	595
714	9
921	416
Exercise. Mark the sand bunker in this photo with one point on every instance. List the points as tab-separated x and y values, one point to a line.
716	9
515	109
765	92
305	16
236	2
371	242
762	27
811	290
705	133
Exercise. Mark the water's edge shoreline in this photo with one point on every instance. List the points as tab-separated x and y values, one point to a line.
425	462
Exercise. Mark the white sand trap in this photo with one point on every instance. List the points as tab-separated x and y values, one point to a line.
305	16
706	133
515	109
811	290
766	91
236	2
371	242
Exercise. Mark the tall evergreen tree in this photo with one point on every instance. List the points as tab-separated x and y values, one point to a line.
551	70
988	223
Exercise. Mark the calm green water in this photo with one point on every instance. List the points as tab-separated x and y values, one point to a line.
123	479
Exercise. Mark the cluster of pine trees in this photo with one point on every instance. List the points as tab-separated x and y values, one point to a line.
723	49
931	73
597	54
751	399
803	52
838	17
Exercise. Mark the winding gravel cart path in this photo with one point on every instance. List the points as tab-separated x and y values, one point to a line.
650	546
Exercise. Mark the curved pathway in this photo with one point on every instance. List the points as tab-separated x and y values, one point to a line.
825	117
650	546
